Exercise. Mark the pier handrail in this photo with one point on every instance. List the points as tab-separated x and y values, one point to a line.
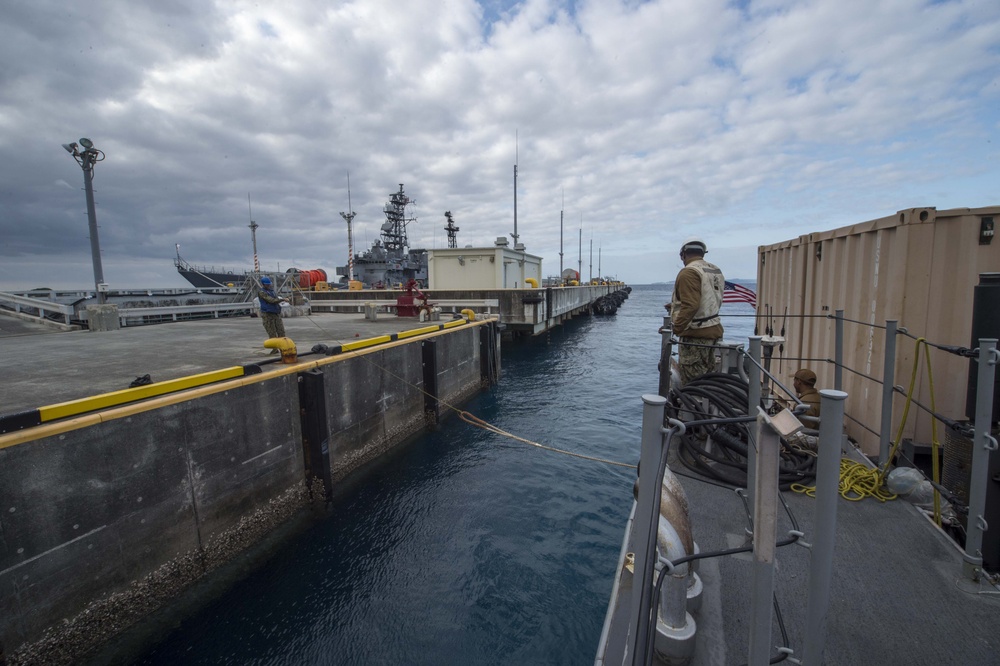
17	303
173	310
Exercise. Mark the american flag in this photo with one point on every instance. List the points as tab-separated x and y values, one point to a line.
737	293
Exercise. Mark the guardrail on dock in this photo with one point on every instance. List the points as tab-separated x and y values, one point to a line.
154	315
36	307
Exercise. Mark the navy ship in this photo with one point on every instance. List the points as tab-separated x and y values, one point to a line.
390	261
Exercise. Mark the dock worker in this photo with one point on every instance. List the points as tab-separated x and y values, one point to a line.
694	311
270	310
804	383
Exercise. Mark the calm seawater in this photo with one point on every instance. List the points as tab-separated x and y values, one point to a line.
466	547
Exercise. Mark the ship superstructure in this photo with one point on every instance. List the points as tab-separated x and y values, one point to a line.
389	261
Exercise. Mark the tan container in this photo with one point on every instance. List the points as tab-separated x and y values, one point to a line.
918	267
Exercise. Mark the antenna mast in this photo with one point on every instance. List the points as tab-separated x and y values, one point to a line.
590	266
579	261
253	236
349	216
452	231
514	235
561	237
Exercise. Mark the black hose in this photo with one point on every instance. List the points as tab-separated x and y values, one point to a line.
726	396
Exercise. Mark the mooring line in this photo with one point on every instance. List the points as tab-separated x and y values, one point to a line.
474	420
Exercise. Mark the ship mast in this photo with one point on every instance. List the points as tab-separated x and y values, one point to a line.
452	231
394	227
349	216
253	236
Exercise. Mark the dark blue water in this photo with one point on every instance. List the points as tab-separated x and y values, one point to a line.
466	547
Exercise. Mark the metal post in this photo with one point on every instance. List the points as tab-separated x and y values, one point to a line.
349	217
888	379
827	493
514	235
560	247
838	369
666	350
982	444
87	162
753	373
765	518
649	486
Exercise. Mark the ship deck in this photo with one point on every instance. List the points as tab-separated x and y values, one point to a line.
895	597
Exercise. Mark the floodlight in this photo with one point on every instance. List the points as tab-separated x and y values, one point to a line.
86	160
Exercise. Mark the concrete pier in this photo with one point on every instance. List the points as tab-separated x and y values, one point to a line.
109	513
530	311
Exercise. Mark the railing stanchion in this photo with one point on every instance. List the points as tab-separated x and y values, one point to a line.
888	379
838	369
831	428
765	525
982	444
753	373
649	486
666	349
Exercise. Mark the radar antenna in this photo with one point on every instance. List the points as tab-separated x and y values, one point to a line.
394	228
452	231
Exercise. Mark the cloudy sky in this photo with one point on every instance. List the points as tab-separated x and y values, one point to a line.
745	122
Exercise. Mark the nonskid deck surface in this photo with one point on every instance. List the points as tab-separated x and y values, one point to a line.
894	594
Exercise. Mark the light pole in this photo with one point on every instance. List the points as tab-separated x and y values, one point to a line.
349	217
86	158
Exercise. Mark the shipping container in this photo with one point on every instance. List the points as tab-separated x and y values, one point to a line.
918	267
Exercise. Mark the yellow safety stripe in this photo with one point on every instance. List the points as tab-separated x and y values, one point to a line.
370	342
105	400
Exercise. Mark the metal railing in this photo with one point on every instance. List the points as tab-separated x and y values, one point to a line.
36	307
982	440
657	433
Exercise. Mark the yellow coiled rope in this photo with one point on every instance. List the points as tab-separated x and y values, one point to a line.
858	481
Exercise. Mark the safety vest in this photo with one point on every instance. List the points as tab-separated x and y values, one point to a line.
712	285
271	308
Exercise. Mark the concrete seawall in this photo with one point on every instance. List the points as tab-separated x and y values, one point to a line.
107	516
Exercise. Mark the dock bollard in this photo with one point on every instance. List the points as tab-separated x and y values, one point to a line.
287	348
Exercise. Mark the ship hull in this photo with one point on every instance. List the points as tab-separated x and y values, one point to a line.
213	280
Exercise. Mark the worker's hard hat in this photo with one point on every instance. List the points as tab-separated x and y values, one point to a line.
265	280
694	243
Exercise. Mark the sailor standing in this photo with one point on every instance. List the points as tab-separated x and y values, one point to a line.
270	310
694	311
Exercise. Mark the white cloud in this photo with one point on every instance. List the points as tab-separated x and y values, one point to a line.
657	120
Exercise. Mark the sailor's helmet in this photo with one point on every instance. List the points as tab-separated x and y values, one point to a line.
694	243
